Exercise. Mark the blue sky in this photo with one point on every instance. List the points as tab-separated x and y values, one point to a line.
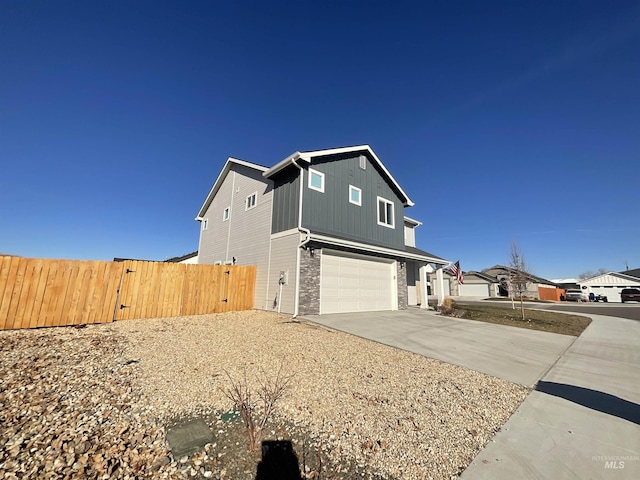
501	120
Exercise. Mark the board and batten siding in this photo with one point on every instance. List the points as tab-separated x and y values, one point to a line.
331	213
286	194
246	234
283	258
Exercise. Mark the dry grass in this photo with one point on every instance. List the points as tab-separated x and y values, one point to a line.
545	321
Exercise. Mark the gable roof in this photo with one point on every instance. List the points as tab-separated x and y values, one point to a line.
182	258
308	156
218	183
622	276
633	273
532	277
481	275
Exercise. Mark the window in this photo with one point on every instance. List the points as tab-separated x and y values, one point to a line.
363	162
316	180
225	214
355	195
385	213
251	201
205	223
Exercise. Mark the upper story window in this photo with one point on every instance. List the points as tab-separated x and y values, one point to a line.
226	213
355	195
205	223
251	201
316	180
386	213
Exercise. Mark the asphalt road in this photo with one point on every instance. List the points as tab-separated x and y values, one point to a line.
621	310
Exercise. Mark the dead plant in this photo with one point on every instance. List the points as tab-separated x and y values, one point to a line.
448	306
256	412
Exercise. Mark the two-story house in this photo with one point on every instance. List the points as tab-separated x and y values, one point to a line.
326	230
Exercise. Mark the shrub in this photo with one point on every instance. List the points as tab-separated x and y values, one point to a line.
448	306
256	409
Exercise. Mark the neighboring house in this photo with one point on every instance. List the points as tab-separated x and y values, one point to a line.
476	284
326	230
503	273
190	258
610	285
633	273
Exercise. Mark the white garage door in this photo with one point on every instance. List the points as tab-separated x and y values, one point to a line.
612	293
356	284
474	290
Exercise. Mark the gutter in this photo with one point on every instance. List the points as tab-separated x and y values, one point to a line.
296	300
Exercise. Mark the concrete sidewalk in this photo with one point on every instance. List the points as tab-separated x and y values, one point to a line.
583	419
516	354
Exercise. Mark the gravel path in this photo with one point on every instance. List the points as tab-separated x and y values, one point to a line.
94	402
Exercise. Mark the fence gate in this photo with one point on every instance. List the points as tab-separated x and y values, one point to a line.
37	292
155	289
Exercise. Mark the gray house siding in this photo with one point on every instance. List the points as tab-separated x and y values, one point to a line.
213	241
409	235
286	195
331	213
283	258
246	234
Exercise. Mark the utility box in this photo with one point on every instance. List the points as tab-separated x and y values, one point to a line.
284	277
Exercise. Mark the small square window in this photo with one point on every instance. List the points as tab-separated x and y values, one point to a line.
355	195
385	213
251	201
225	214
316	180
205	223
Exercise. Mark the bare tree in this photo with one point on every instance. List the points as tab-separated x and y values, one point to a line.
591	274
519	275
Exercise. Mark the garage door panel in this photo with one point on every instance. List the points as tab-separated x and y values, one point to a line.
354	284
474	290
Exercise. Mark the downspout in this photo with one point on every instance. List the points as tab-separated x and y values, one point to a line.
296	300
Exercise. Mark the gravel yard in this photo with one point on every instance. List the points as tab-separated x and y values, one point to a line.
95	402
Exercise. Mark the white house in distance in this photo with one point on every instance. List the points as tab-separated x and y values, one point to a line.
609	285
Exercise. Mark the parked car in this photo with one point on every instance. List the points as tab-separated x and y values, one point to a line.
576	296
630	295
597	298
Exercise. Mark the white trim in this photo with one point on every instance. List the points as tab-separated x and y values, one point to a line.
226	213
352	188
412	221
375	249
285	233
313	187
255	201
221	176
307	156
393	212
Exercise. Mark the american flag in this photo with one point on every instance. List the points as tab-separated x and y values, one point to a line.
455	269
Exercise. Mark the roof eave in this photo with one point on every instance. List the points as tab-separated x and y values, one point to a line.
216	185
308	156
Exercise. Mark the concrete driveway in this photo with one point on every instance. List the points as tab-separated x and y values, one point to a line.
583	419
519	355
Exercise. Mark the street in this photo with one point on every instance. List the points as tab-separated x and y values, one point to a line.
621	310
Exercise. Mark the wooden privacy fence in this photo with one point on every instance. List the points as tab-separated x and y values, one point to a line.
551	293
36	292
